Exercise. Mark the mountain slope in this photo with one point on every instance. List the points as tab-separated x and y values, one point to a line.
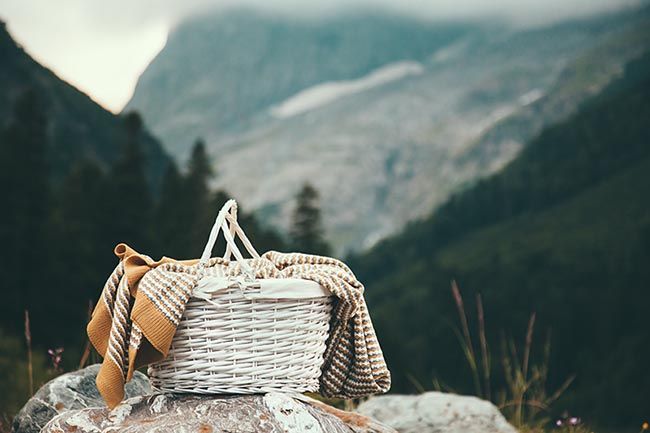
77	127
564	231
220	70
389	114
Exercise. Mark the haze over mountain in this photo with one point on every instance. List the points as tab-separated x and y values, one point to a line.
102	47
78	128
385	115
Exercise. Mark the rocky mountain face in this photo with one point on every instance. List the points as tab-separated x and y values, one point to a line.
78	127
385	115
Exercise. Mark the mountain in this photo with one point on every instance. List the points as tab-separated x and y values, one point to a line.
563	230
78	127
386	115
222	70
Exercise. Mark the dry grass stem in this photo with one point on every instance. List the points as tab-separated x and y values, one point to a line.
28	340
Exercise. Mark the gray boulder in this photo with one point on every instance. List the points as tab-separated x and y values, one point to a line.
70	391
272	412
436	412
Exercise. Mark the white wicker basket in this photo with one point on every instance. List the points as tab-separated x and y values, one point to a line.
245	336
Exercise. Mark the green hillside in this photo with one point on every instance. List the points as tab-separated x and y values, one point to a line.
564	230
78	128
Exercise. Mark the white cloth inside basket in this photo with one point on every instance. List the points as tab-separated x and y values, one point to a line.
272	288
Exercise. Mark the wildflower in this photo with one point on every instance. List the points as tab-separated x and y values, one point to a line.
645	426
559	423
56	355
574	420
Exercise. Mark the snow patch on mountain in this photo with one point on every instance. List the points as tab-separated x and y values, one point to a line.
322	94
530	97
451	51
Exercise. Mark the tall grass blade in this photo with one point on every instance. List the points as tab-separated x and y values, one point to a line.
30	367
529	344
468	346
485	353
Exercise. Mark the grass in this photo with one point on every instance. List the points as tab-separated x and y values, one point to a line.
30	364
23	370
523	397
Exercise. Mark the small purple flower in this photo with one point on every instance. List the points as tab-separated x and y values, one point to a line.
56	355
559	423
574	420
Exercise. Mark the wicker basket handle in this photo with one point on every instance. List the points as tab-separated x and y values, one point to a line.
226	221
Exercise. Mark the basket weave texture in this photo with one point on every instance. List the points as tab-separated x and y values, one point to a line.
235	343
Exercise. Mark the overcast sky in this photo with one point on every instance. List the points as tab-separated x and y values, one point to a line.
102	46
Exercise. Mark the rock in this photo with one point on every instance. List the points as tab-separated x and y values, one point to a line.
179	413
436	412
70	391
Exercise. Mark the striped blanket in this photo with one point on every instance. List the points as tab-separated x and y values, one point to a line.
143	301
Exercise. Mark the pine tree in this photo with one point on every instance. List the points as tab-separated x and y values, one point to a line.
24	222
199	169
306	231
130	195
172	217
80	220
184	213
197	197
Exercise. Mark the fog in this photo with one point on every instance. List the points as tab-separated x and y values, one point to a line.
102	47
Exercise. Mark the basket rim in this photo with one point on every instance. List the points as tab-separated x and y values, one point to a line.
210	286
